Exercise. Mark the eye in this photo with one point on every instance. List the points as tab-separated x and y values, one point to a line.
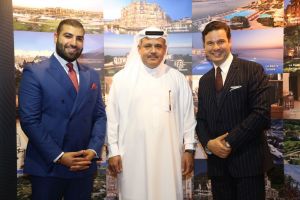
158	46
209	43
147	46
80	38
220	42
67	35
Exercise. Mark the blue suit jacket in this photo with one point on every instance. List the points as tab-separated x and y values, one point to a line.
56	118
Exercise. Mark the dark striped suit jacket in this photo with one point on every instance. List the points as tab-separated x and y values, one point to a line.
243	110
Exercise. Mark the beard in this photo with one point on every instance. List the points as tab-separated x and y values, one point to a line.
60	50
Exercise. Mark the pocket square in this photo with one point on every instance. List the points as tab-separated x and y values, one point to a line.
94	86
234	87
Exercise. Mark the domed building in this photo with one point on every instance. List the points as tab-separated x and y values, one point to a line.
139	14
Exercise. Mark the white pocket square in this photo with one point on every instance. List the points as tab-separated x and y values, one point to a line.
234	87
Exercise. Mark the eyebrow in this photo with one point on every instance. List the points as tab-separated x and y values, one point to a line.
78	36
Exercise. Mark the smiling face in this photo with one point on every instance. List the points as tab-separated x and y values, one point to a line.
217	46
152	51
69	42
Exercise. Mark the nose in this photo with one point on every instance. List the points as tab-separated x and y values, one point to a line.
152	50
216	45
73	41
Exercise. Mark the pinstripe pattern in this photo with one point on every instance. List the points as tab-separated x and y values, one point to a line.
243	110
246	188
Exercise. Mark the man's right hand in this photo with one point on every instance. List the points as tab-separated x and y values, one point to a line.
70	159
218	148
115	165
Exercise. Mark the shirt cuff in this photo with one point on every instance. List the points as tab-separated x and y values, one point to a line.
58	157
190	146
96	155
113	150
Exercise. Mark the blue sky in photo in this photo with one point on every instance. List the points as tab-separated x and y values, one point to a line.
250	39
126	41
90	5
175	9
117	41
286	3
213	7
40	41
264	46
120	45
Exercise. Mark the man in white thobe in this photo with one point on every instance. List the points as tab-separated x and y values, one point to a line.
151	123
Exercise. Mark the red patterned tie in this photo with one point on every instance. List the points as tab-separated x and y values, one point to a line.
72	75
219	80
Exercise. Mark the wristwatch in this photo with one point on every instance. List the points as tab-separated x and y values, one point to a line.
191	151
207	151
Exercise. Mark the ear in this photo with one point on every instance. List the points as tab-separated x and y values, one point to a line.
139	47
230	44
55	37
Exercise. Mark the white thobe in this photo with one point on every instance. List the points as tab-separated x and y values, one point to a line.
150	141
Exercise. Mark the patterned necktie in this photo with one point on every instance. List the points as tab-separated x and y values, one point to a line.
219	80
72	75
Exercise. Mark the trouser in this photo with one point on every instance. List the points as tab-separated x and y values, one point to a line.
241	188
50	188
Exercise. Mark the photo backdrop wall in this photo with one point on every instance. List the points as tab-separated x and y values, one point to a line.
264	31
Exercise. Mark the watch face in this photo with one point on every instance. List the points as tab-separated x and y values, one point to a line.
190	151
207	151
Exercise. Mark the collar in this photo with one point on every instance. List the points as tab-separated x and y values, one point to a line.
157	71
63	63
225	65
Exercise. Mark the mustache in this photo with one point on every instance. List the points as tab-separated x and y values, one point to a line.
152	56
71	46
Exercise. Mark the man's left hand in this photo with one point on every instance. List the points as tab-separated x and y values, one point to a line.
187	163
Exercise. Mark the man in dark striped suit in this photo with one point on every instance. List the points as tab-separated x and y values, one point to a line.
233	112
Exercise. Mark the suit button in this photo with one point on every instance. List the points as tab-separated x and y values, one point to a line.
63	101
70	119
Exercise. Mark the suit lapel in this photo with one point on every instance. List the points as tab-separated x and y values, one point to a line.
232	73
58	73
84	80
211	85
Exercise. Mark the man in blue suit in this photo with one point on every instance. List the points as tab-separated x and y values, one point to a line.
63	115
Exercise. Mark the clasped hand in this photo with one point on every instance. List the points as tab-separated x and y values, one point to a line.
77	161
217	146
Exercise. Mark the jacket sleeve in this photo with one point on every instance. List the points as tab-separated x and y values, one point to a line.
30	111
201	128
99	120
259	108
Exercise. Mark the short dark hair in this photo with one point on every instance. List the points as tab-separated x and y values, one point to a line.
71	22
216	25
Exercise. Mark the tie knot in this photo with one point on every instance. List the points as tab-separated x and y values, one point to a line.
70	66
218	69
